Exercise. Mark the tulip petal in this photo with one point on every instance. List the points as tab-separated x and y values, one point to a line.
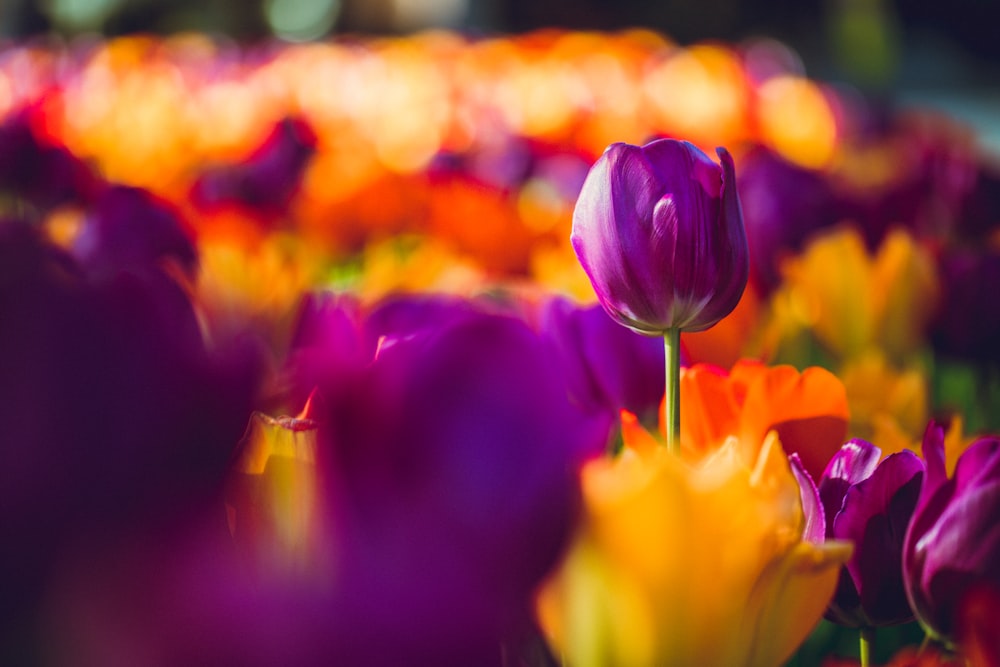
875	515
790	598
854	462
812	506
808	409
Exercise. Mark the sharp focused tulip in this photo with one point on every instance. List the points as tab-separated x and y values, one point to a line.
952	547
689	565
659	231
870	504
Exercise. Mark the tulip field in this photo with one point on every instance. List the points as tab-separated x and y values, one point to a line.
560	349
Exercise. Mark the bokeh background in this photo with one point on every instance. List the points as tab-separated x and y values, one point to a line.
911	52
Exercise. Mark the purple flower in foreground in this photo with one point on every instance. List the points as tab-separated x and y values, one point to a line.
952	546
870	504
607	366
659	231
115	416
448	489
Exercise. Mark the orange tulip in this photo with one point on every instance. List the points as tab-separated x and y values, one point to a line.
808	410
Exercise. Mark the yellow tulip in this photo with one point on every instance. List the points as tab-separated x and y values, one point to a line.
883	300
681	564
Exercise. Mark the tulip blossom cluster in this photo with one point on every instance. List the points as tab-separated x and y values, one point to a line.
350	353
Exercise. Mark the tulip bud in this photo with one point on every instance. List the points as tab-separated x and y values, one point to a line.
952	546
659	231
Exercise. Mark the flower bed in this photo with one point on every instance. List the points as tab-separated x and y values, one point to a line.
392	240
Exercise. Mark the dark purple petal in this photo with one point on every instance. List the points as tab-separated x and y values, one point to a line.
853	462
875	515
456	459
267	181
131	229
782	205
38	170
116	415
953	542
608	367
963	328
966	536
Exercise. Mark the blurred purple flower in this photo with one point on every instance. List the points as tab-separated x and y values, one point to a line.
933	170
966	327
659	231
608	367
36	168
267	181
783	204
460	468
980	211
450	489
115	416
952	547
870	504
128	228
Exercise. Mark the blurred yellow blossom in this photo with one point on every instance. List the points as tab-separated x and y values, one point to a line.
889	406
882	301
685	564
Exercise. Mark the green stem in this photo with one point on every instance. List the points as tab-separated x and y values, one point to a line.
672	402
867	640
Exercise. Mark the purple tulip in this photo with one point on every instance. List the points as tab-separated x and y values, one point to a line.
870	504
608	366
980	210
782	205
129	228
964	329
449	489
453	460
37	169
952	547
267	181
115	415
659	231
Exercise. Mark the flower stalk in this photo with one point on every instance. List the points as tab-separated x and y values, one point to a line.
672	396
866	641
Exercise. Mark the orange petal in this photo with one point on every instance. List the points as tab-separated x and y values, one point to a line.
809	411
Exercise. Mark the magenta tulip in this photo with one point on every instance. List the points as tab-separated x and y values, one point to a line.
952	547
